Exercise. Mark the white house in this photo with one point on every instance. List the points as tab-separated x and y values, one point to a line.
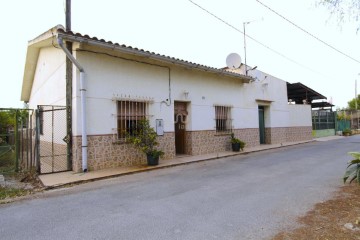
193	107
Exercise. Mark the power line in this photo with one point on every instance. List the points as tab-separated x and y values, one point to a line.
308	33
258	42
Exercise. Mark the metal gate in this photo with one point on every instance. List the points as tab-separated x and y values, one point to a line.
323	120
52	140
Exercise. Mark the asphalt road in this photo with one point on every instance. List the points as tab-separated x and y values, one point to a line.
245	197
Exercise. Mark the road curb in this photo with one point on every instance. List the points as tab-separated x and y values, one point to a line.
64	185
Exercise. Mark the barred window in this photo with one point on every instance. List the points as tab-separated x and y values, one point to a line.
129	113
223	118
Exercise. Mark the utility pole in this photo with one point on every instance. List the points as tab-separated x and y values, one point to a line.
68	15
356	105
69	69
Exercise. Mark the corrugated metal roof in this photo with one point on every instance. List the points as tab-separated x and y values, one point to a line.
298	92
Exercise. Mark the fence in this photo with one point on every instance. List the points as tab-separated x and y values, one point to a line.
52	140
341	125
17	143
352	116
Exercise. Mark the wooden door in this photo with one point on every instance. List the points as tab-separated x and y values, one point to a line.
180	115
262	124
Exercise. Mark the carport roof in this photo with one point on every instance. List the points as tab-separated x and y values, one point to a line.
322	105
298	92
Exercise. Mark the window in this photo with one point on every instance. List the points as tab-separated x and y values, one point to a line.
129	113
223	118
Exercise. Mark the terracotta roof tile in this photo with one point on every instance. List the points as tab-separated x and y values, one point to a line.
78	36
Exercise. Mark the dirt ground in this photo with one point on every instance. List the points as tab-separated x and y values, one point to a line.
19	185
338	218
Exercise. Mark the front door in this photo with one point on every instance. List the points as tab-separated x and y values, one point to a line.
180	126
262	124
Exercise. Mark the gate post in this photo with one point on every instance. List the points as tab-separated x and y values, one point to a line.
37	140
16	142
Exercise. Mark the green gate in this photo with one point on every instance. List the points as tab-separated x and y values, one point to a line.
341	125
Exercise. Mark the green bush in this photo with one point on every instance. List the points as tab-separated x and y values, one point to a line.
346	131
343	116
236	140
144	138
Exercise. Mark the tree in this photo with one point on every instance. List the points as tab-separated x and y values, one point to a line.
7	119
344	9
352	103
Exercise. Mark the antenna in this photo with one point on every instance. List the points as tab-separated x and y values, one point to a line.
233	60
68	15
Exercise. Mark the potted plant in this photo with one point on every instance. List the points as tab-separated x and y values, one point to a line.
236	144
144	137
347	132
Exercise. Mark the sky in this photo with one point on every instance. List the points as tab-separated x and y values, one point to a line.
180	29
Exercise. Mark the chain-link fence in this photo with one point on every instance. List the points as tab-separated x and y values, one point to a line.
17	140
52	139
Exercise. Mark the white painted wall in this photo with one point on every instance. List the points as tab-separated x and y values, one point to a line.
267	88
300	115
49	88
108	77
49	80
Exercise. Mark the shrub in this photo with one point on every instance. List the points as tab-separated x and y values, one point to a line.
145	139
347	131
236	140
353	169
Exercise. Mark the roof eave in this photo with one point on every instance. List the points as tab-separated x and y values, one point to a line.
32	56
154	56
29	72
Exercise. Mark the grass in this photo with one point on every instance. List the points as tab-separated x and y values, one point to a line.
7	159
7	192
7	168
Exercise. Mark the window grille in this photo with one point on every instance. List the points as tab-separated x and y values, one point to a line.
129	113
223	119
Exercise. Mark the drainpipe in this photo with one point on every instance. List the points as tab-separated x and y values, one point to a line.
83	103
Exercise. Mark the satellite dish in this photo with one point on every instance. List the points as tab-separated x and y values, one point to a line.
233	60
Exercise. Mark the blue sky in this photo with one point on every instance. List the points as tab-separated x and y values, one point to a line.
179	29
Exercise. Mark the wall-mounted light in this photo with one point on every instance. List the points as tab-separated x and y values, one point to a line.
186	94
